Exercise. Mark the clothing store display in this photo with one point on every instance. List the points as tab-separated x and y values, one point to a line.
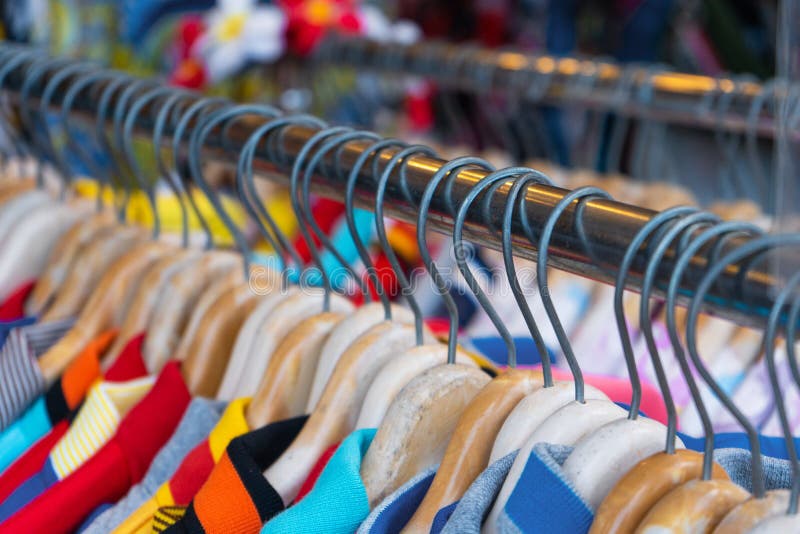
542	306
111	471
200	418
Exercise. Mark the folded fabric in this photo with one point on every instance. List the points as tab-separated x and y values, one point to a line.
477	501
191	474
13	308
110	473
58	403
200	417
394	511
7	326
30	462
237	498
98	420
21	380
338	502
543	486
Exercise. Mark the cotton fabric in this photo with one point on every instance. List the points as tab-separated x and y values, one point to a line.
338	503
394	512
236	498
21	380
13	308
110	473
197	422
191	473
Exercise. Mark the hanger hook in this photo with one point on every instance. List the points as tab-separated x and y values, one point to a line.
349	210
502	176
659	245
200	106
749	249
125	148
449	170
19	56
127	139
520	185
246	187
99	174
304	214
59	157
770	335
203	128
753	114
117	80
403	157
337	140
544	292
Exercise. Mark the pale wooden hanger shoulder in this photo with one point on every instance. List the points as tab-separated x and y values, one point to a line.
105	305
62	258
418	426
643	486
90	264
286	314
751	512
336	412
155	278
468	451
287	380
179	300
343	335
210	347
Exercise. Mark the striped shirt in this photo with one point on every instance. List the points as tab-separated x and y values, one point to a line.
106	405
21	380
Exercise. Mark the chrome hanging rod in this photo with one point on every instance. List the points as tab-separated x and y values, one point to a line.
639	91
743	293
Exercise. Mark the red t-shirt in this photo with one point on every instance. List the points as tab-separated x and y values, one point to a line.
121	463
13	308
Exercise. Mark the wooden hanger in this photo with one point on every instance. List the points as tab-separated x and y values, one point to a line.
228	389
12	189
284	317
336	412
399	372
21	206
343	335
780	523
418	426
642	487
532	411
695	506
224	284
284	389
63	257
572	421
104	308
210	347
468	451
90	264
179	299
23	254
600	459
155	278
751	512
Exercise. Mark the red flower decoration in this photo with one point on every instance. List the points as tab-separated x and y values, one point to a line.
190	73
310	20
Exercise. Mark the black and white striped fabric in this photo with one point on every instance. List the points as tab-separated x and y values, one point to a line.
21	380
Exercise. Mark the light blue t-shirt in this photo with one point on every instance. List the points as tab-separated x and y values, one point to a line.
338	503
24	432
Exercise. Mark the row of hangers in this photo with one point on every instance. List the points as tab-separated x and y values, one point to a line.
298	349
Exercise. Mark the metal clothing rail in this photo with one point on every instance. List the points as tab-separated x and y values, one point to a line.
635	90
743	293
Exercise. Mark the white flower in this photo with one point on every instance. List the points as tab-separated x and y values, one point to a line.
240	31
376	26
